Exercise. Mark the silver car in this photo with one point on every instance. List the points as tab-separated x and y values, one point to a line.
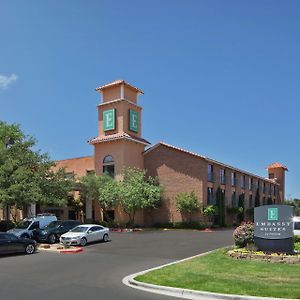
83	234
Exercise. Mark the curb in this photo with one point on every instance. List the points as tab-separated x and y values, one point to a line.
185	293
80	249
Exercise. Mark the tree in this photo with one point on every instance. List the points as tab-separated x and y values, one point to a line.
210	211
187	203
137	191
295	203
109	193
26	176
220	197
241	205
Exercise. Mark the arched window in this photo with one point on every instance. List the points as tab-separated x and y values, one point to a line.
108	159
109	165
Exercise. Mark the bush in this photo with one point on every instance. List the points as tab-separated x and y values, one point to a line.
6	225
181	225
244	234
297	239
297	246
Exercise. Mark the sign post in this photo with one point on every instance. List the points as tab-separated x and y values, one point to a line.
273	228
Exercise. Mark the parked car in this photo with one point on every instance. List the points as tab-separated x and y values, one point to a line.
24	228
9	243
296	221
83	234
52	232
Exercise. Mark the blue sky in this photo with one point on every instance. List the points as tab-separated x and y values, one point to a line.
221	78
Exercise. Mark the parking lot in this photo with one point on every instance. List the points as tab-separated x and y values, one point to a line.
97	272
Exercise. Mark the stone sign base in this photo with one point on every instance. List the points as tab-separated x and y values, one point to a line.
283	245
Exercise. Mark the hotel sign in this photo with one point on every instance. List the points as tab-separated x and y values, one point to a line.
273	222
133	120
109	119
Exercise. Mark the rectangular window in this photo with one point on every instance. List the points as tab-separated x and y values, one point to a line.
271	176
243	181
210	173
222	176
250	183
264	187
233	179
210	196
258	184
270	188
234	200
264	201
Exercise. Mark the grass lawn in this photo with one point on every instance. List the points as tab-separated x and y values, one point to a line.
218	273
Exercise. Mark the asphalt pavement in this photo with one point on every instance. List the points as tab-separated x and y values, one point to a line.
97	272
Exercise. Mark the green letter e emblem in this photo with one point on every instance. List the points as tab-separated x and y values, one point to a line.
273	214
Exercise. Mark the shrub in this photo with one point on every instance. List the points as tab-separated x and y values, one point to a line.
297	246
297	239
244	234
6	225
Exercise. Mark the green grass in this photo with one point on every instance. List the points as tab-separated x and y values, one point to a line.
219	273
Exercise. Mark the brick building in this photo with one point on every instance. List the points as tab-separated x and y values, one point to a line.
120	143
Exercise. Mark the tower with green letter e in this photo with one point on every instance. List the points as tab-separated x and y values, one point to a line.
109	119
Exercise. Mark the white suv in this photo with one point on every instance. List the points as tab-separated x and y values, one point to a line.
24	228
296	221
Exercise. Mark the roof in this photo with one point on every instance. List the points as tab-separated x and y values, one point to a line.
118	136
173	147
77	165
277	165
118	82
207	159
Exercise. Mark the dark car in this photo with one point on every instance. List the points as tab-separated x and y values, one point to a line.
52	232
9	243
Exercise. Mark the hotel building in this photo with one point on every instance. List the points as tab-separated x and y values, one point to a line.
120	144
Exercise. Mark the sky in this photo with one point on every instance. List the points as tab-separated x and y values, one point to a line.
221	78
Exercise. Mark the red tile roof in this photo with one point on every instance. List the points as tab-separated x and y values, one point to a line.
117	82
277	165
117	136
207	159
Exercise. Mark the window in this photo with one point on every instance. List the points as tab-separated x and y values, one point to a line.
264	187
222	176
70	175
90	172
258	184
250	183
264	201
243	181
234	200
210	196
233	179
210	172
271	176
109	165
270	187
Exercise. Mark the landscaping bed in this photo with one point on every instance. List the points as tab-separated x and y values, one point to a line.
217	272
242	253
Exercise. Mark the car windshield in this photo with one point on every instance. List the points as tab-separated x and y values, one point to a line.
23	225
53	224
79	229
297	225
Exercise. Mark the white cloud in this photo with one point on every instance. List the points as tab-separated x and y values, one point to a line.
5	81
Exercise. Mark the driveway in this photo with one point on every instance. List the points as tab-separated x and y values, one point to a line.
98	271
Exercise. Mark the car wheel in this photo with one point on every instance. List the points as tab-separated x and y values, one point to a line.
105	238
83	241
29	249
52	238
25	236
